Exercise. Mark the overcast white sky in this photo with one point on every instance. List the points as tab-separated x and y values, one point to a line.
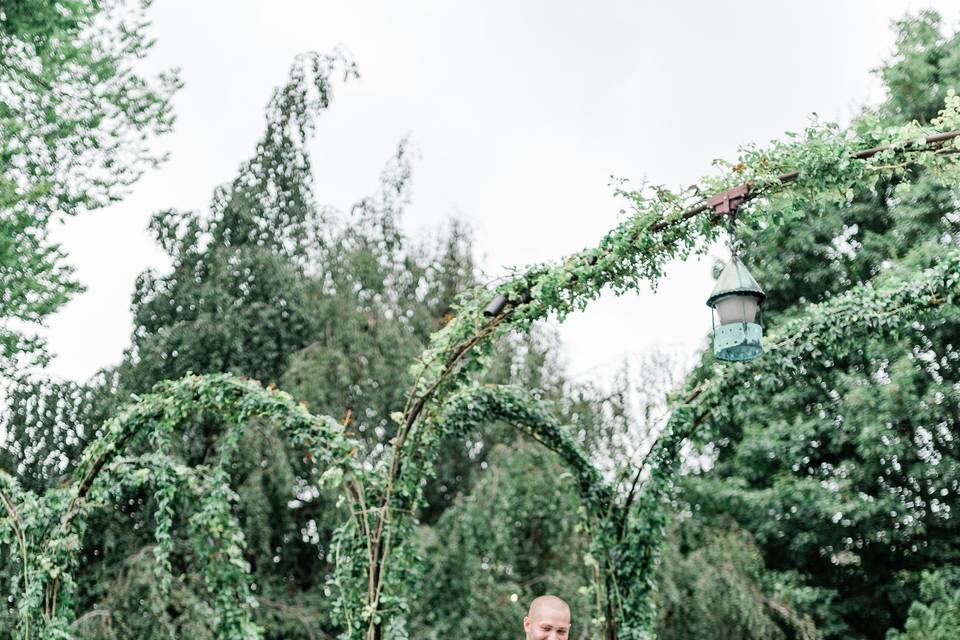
520	112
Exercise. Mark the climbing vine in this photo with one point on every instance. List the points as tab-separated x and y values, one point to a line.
375	566
47	530
822	164
627	529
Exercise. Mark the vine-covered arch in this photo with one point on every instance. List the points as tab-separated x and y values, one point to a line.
627	529
373	550
786	180
48	533
624	555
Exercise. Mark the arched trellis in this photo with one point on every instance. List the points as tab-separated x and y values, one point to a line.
47	530
627	532
625	560
826	164
370	570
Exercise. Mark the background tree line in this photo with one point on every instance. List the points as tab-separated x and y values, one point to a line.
824	511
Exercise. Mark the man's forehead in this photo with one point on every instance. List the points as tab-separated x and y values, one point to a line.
556	617
550	607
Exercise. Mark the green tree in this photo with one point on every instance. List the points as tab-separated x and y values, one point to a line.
237	296
47	424
847	476
936	615
712	583
76	122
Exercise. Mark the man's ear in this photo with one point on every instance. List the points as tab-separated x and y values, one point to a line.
526	623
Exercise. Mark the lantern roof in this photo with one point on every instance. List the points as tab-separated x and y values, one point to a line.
735	279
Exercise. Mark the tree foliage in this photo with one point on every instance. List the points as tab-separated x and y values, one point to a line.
264	284
935	615
76	121
846	476
713	583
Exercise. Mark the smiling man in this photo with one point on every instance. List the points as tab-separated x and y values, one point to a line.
548	619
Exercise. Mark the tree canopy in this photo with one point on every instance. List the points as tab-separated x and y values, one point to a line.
846	477
430	463
77	120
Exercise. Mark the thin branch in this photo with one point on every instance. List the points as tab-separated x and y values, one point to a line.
18	528
93	613
691	397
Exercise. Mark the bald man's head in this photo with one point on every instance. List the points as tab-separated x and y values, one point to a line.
548	619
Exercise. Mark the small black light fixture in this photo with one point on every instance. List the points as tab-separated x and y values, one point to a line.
496	306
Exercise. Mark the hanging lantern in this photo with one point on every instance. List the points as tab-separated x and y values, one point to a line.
737	299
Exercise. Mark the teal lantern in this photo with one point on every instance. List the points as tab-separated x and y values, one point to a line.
737	299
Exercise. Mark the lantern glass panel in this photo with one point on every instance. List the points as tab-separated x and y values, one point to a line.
738	308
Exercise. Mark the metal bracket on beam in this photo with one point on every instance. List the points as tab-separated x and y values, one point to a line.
730	200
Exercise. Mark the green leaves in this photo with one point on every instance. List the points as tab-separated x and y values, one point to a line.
270	286
49	528
936	614
74	123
